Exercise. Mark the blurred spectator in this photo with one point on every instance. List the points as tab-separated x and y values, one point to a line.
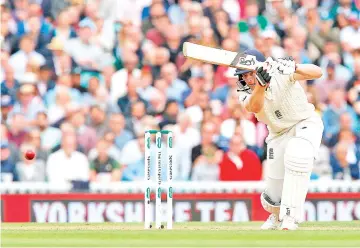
10	85
173	42
117	126
89	97
104	34
353	85
4	62
50	136
60	62
27	54
107	73
63	30
156	10
196	111
61	108
322	168
345	161
210	10
160	22
223	73
169	116
29	102
4	137
134	122
345	123
33	139
299	34
248	38
17	124
132	152
194	28
331	116
67	129
147	83
158	58
7	103
128	41
34	10
349	136
39	31
222	24
121	79
67	164
75	13
76	81
104	168
84	52
112	150
240	163
192	94
8	170
178	11
186	138
156	98
9	38
176	86
30	170
237	117
271	40
134	166
98	119
206	157
64	85
208	38
86	136
331	53
328	83
58	6
45	82
130	10
221	93
20	12
319	27
125	103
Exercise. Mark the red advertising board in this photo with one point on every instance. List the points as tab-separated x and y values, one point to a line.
203	207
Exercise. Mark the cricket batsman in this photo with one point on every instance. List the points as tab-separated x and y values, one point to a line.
272	92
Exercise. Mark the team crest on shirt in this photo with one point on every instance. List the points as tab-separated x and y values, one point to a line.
278	114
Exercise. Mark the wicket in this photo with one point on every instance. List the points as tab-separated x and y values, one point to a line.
158	189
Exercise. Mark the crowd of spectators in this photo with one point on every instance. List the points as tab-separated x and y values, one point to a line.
81	80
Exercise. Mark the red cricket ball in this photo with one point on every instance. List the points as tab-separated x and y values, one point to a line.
30	155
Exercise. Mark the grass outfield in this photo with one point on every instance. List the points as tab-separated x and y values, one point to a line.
195	234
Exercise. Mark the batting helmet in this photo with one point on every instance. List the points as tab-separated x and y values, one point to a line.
259	57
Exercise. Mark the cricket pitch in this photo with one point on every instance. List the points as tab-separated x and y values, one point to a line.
195	234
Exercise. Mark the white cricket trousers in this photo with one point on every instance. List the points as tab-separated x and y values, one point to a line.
310	129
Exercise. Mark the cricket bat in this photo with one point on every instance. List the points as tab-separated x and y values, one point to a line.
220	57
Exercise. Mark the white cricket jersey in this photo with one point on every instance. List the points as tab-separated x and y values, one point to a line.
285	104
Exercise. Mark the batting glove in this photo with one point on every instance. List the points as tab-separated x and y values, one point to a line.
286	65
262	76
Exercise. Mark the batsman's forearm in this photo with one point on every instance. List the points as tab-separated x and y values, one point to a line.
309	71
256	101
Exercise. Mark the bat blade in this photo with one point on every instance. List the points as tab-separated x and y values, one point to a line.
219	57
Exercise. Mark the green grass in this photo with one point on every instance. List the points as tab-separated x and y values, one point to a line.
195	234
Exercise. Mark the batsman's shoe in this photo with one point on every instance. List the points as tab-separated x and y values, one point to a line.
272	223
288	223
